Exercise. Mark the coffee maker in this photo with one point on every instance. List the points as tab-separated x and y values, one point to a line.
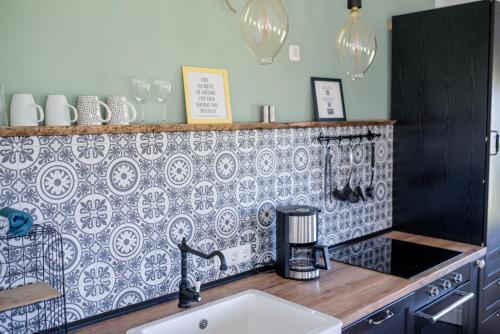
297	249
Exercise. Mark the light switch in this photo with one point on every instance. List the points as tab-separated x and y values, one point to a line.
294	53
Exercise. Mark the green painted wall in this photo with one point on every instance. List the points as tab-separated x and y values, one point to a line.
78	47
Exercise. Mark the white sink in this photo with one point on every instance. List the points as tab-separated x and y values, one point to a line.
248	312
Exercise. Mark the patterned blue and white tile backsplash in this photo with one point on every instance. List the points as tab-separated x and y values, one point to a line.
123	202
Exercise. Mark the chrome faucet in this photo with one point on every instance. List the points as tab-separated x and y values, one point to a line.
186	293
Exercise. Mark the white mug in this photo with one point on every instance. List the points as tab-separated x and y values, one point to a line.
120	108
57	111
23	111
89	111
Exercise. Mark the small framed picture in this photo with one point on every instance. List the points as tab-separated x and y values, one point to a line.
328	99
206	91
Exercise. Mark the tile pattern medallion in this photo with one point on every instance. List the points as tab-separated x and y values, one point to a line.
123	202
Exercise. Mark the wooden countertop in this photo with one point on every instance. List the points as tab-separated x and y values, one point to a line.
345	292
24	131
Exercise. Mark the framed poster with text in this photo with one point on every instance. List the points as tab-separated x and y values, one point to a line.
328	99
206	91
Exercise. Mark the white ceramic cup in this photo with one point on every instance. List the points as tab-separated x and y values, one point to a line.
89	111
57	111
23	111
120	110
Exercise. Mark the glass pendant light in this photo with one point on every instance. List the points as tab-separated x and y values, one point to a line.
356	43
264	28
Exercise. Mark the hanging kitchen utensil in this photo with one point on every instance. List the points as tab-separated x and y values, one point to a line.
331	190
333	182
328	167
336	192
340	196
358	190
347	191
369	191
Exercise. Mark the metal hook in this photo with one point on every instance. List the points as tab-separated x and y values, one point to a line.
231	7
371	136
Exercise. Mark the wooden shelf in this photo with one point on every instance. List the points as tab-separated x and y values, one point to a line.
24	131
26	295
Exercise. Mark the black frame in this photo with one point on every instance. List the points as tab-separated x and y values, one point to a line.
35	258
315	99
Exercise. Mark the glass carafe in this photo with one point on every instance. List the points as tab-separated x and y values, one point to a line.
302	259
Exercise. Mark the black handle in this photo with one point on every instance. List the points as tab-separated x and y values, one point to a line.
326	258
388	314
497	142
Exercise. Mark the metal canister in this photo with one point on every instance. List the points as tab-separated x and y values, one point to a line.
265	114
272	118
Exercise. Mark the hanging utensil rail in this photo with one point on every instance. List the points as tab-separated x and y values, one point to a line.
327	139
353	195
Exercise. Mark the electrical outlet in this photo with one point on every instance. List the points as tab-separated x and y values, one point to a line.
294	53
232	256
236	255
246	253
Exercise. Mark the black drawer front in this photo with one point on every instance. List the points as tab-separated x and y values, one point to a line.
491	294
490	325
376	323
493	308
492	268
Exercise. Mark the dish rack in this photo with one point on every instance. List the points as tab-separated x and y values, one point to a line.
32	282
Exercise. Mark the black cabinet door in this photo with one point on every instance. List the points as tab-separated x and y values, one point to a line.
493	212
440	76
395	318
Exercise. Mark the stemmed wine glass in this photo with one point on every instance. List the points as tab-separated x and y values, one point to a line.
162	93
141	88
4	121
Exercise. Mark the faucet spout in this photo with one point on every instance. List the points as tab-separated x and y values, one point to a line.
186	293
186	249
223	265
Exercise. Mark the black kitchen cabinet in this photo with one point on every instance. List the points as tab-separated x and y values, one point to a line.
491	325
440	81
446	101
395	318
444	306
489	295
